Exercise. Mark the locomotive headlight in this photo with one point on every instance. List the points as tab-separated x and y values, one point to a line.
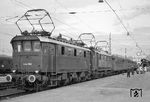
13	71
36	71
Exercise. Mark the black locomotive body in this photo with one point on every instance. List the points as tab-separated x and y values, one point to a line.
44	60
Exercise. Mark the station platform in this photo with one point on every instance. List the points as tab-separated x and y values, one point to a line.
109	89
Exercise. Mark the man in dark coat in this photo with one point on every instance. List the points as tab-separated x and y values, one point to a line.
128	73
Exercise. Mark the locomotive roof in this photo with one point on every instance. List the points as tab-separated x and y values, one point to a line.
103	53
45	39
20	38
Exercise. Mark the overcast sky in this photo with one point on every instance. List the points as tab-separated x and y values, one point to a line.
90	17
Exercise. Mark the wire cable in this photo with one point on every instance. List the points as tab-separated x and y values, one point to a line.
128	34
74	15
23	4
117	17
65	24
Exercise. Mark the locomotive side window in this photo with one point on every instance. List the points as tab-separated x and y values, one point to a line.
45	49
69	51
79	53
27	46
106	58
75	52
36	46
100	56
62	50
52	49
84	53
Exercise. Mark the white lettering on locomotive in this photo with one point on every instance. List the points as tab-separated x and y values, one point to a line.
3	79
27	64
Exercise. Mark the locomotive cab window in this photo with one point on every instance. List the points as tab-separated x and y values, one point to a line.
27	46
36	46
17	46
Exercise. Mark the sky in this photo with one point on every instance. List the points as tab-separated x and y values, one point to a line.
90	17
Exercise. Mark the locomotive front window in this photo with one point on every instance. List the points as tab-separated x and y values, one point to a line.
36	46
27	46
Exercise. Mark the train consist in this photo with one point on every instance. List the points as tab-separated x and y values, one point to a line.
5	64
145	63
40	61
5	68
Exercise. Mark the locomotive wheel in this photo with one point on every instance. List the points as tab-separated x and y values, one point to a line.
83	79
38	86
79	79
65	82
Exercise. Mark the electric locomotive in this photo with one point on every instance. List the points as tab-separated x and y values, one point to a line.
42	61
47	61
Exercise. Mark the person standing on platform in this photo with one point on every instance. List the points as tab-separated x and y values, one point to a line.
145	69
132	70
128	73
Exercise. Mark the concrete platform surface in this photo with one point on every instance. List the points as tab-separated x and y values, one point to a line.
110	89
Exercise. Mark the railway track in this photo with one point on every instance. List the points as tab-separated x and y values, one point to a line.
14	92
4	86
10	93
5	82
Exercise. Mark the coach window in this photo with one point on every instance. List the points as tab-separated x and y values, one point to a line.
36	46
27	46
62	50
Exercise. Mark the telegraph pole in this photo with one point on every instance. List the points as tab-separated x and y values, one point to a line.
125	52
